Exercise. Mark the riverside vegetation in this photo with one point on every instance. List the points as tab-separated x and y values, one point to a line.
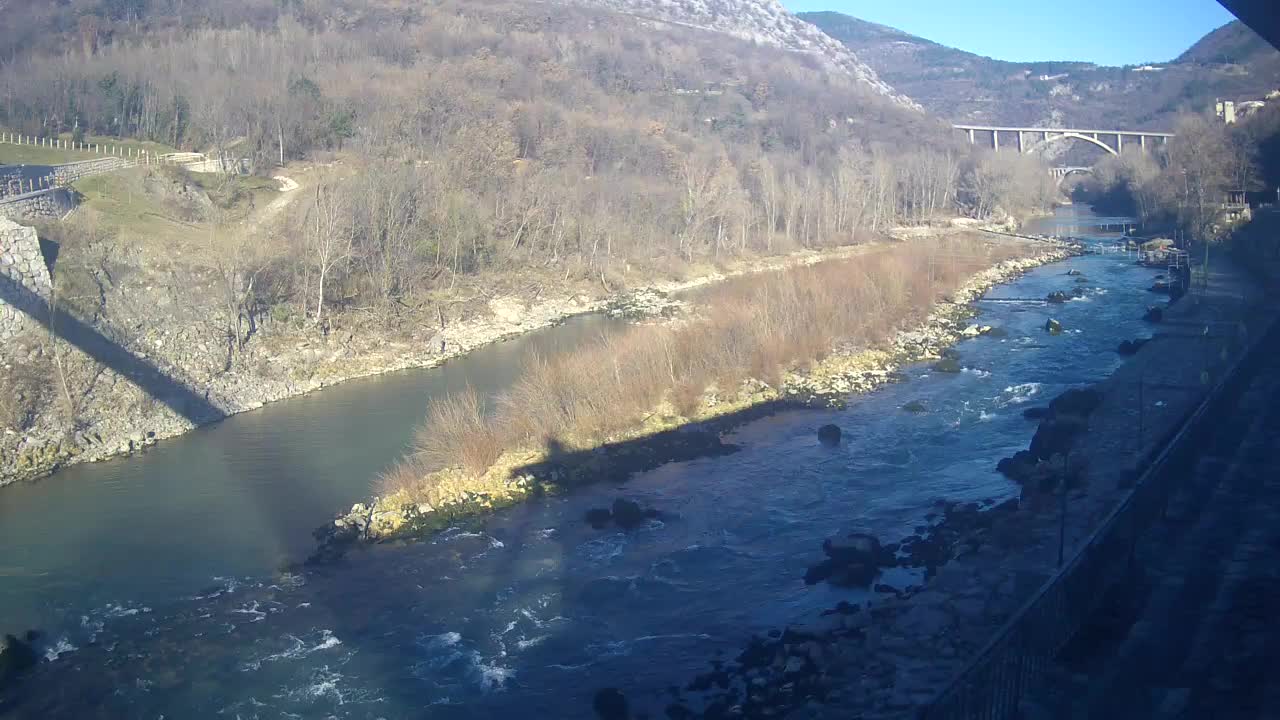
467	170
819	332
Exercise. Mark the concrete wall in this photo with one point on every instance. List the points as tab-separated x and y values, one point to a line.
22	264
51	203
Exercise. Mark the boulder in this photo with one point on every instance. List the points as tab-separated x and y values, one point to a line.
610	704
853	560
829	435
1018	468
1077	401
1053	327
1036	413
1057	297
947	365
1082	280
16	657
857	547
915	407
1077	292
1154	314
1131	347
997	332
1055	436
598	518
628	514
1073	271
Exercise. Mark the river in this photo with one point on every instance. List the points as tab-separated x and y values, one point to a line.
155	577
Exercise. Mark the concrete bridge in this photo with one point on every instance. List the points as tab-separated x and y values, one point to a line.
1030	140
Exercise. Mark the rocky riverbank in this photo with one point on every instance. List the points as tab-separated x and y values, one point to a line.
519	474
112	417
887	657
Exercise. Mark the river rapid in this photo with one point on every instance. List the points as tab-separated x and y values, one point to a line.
155	578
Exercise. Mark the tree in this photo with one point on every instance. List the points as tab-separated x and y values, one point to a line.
329	235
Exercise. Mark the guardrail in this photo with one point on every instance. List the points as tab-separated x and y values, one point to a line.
992	684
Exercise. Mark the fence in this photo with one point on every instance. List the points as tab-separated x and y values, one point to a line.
105	149
992	684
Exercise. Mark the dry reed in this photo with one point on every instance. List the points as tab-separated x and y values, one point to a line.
757	327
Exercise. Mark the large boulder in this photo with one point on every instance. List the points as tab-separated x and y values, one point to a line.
628	514
16	657
1036	413
1077	401
1057	297
1053	327
1055	436
610	704
829	435
1131	347
852	561
947	365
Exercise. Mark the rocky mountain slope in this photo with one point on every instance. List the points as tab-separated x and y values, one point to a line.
765	22
1231	63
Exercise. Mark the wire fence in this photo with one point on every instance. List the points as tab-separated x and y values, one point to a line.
993	683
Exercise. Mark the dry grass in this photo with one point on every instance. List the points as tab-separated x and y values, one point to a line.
756	327
457	433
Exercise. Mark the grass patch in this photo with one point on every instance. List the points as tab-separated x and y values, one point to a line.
122	202
36	155
745	332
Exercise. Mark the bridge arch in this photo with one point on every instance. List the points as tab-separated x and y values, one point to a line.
1073	136
1063	173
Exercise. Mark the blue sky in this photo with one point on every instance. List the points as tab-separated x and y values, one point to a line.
1107	32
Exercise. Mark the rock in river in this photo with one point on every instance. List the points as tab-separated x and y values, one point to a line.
1053	327
16	657
829	435
1057	296
947	365
610	704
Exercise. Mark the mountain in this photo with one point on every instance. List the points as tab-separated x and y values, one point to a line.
1231	63
765	22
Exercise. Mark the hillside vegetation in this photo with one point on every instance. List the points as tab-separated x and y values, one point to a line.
451	155
1231	63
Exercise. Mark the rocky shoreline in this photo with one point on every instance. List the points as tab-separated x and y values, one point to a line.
889	656
119	424
521	475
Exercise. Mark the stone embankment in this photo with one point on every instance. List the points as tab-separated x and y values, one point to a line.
890	657
847	371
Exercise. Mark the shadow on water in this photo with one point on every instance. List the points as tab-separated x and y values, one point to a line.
175	394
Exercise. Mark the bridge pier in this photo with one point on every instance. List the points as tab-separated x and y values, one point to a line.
995	140
1119	144
1020	148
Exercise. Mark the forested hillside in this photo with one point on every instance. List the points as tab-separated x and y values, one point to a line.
1231	63
454	157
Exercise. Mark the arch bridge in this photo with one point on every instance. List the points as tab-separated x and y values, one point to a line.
1031	140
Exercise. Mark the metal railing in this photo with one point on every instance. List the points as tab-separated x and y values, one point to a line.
992	684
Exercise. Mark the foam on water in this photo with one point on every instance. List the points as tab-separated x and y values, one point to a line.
1019	394
298	648
605	549
58	649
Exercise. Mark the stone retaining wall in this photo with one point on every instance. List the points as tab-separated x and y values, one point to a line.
20	263
54	202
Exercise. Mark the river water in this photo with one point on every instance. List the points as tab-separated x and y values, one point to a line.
154	576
